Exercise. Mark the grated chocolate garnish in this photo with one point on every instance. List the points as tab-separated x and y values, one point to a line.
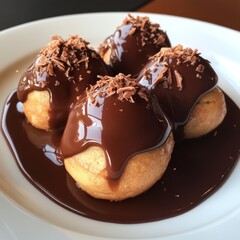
122	85
178	79
161	75
198	75
148	75
182	55
64	55
148	30
178	52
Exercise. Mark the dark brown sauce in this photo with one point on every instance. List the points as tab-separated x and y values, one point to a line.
197	169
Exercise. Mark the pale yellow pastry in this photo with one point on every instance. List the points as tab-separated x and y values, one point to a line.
207	114
141	172
36	109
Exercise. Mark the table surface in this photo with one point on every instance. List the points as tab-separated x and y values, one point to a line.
15	12
222	12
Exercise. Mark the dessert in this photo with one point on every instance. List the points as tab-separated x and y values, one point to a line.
207	114
130	46
61	72
180	188
186	87
117	141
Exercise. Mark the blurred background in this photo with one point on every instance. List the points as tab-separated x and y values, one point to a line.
14	12
222	12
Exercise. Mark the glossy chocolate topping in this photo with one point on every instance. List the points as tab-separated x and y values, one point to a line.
119	116
132	44
178	77
64	69
198	167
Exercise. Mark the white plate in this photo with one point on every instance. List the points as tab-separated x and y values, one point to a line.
27	214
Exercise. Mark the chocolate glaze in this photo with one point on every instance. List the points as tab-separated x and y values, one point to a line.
121	128
198	77
129	52
197	169
63	88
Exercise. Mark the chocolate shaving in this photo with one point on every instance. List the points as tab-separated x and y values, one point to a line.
162	59
64	55
182	54
161	75
148	75
122	85
178	79
198	75
148	30
200	68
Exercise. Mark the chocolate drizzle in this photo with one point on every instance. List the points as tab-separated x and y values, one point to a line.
118	115
64	69
178	77
132	44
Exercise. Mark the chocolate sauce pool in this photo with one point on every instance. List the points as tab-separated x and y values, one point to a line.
197	169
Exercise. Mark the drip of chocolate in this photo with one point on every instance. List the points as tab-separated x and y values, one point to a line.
132	44
64	69
119	116
178	77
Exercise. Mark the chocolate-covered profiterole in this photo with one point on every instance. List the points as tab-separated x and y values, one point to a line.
179	76
130	46
61	72
118	115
